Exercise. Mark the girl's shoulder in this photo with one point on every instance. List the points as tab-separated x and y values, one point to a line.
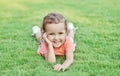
69	44
69	39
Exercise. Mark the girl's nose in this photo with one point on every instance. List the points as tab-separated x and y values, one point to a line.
56	37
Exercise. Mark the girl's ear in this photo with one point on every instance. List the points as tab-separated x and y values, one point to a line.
42	30
67	32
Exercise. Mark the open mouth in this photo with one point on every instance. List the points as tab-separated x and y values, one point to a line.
57	43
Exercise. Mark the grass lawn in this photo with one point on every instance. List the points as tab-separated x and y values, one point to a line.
97	38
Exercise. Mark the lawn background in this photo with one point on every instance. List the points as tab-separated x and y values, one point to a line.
97	37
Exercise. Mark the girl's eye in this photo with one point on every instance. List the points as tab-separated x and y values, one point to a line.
61	33
51	34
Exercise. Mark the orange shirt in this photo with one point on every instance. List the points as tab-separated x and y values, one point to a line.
68	45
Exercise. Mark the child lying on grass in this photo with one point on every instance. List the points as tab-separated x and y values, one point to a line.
56	37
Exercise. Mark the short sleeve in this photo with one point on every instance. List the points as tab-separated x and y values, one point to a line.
69	45
42	48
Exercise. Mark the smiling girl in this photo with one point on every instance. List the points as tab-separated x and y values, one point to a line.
56	37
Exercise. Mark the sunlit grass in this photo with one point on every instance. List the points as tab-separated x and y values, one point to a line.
97	37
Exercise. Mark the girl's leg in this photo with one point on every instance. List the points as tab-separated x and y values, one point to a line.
37	33
38	37
71	31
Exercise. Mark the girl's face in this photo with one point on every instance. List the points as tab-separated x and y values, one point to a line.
56	33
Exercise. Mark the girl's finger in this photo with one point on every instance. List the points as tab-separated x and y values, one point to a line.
58	67
63	69
44	35
55	67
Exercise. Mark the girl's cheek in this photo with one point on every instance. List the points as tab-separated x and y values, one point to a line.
49	37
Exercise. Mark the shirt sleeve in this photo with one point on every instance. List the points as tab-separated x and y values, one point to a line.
69	44
43	48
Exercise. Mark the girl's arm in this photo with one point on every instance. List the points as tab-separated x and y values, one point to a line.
50	56
69	60
66	63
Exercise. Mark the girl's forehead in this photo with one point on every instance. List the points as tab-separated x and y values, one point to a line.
53	26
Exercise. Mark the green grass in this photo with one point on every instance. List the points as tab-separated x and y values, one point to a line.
98	37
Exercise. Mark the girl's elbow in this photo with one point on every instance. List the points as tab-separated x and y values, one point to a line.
51	61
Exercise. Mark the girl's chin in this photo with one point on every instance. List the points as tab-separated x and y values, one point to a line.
56	46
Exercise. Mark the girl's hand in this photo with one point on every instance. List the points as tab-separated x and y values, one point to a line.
46	39
58	67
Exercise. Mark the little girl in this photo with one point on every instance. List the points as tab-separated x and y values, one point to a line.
56	37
